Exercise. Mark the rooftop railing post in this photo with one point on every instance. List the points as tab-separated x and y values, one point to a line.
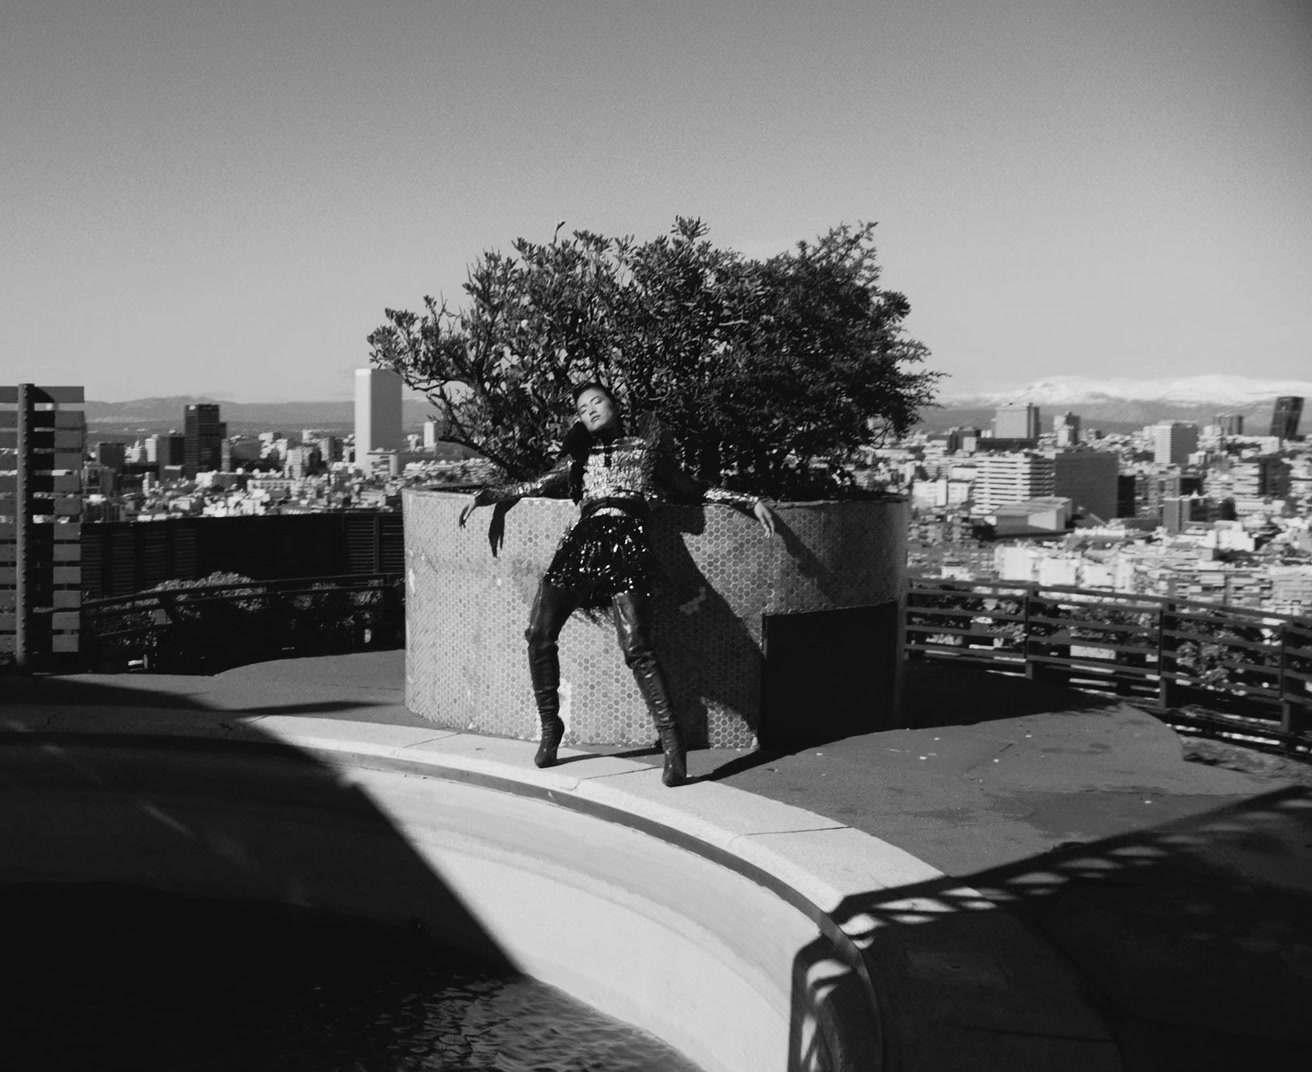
1032	669
1291	720
1166	686
1059	673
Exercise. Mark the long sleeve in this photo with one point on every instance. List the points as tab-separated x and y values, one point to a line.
740	499
673	479
554	479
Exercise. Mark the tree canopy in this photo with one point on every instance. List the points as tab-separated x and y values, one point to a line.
768	374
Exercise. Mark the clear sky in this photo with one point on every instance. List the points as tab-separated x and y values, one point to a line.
222	197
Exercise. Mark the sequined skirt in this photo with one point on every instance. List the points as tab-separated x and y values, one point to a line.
602	556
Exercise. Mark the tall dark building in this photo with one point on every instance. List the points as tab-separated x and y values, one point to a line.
1285	417
204	434
110	455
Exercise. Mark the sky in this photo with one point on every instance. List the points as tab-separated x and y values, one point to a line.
222	198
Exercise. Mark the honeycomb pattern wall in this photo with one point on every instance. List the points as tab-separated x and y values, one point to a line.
469	592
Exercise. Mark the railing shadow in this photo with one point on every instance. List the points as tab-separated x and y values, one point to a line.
1191	941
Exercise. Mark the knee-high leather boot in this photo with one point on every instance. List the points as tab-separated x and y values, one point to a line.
551	609
633	628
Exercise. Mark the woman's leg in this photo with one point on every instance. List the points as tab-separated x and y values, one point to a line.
633	628
551	609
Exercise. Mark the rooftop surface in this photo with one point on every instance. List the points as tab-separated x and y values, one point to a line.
1171	878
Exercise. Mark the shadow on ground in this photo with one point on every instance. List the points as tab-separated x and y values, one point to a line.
1194	941
932	696
938	695
173	818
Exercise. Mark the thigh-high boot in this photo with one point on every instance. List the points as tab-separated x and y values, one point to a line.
633	628
551	609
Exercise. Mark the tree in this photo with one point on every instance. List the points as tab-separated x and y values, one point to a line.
768	375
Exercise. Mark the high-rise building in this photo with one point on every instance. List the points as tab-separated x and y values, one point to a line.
1016	420
1089	479
111	455
377	413
432	430
162	450
1002	479
204	434
1173	442
1066	426
1127	488
1230	424
1285	417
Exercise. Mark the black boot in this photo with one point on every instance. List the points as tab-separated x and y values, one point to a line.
553	729
632	627
551	609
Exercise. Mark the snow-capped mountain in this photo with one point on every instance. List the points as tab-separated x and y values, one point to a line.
1123	404
1236	392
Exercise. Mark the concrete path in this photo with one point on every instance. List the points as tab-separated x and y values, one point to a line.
1175	893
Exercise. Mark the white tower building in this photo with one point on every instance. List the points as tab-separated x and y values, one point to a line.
1012	478
377	413
1173	442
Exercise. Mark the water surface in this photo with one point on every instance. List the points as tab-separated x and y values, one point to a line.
99	978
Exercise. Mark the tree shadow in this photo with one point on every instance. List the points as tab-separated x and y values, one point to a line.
1188	945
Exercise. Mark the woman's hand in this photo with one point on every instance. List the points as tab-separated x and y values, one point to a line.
479	498
764	515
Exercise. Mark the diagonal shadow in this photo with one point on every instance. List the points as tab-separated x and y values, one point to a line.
118	819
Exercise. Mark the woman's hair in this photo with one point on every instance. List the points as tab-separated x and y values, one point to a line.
594	385
578	440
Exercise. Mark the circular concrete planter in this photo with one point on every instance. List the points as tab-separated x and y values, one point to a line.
763	640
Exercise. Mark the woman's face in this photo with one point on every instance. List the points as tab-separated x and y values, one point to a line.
596	409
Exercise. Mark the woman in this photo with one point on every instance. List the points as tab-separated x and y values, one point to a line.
605	560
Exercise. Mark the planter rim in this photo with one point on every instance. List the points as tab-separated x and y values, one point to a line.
774	503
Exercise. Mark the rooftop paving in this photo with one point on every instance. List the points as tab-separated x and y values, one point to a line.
1171	887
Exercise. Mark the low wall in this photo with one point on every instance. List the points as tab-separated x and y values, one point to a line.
810	618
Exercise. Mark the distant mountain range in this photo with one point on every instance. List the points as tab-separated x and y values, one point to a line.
1114	404
1120	404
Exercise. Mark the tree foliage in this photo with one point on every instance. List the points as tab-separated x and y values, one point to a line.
768	374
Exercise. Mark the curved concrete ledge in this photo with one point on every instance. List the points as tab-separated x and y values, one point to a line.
704	915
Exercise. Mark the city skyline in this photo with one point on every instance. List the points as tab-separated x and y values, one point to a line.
223	201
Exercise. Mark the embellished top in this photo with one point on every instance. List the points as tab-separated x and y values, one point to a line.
628	468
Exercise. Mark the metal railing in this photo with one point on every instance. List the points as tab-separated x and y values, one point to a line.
1229	670
214	627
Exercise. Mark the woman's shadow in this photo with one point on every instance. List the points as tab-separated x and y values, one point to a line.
712	660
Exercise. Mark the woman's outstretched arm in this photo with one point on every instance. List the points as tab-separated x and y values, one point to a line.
554	479
671	478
